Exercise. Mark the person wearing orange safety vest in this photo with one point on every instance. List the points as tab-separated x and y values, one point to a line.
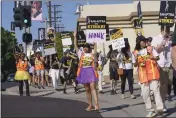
39	67
22	74
148	75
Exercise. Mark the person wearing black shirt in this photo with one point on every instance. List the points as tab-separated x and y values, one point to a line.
55	71
47	67
69	66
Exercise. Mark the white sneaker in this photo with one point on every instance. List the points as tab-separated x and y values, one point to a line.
165	110
133	97
123	97
151	114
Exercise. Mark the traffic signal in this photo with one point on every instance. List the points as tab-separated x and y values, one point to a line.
17	17
26	14
27	38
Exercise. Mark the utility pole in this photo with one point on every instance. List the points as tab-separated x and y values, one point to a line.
56	19
49	13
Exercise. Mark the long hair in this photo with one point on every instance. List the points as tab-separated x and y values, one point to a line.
125	50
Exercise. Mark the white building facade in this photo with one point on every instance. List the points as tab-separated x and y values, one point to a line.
123	15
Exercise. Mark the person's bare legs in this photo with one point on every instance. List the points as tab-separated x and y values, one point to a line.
95	95
89	96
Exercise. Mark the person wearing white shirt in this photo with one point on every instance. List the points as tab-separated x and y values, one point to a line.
126	60
162	44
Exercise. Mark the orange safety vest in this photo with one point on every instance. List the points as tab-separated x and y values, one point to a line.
22	65
38	65
150	70
81	64
152	67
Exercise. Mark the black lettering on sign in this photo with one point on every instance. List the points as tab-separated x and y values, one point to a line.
49	45
65	35
116	33
167	13
96	22
96	26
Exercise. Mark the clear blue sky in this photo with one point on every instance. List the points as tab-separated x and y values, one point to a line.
68	13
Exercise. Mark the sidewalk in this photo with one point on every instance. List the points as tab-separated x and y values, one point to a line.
111	106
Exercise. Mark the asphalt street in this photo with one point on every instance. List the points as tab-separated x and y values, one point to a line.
16	106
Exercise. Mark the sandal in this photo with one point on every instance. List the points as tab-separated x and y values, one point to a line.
97	108
89	109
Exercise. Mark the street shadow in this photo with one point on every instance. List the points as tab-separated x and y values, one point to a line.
170	112
102	110
137	104
47	94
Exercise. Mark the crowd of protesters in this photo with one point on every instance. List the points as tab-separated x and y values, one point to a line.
152	57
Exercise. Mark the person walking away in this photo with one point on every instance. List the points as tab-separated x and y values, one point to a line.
55	71
39	67
148	75
47	67
32	72
162	44
88	76
126	61
22	74
113	66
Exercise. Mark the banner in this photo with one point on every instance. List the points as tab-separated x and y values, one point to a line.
118	43
96	35
41	33
81	38
167	13
107	32
66	40
36	11
96	29
50	34
49	48
116	33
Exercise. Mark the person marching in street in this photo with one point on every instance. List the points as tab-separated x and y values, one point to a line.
88	76
100	73
47	67
113	66
126	60
162	43
55	71
39	67
73	70
22	74
173	57
148	75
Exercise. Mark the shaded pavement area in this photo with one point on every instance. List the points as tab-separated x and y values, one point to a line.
16	106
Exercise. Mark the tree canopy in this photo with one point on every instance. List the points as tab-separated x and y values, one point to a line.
8	43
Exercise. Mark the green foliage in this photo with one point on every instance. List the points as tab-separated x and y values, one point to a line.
8	42
59	47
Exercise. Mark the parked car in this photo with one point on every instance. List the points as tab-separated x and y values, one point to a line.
11	77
